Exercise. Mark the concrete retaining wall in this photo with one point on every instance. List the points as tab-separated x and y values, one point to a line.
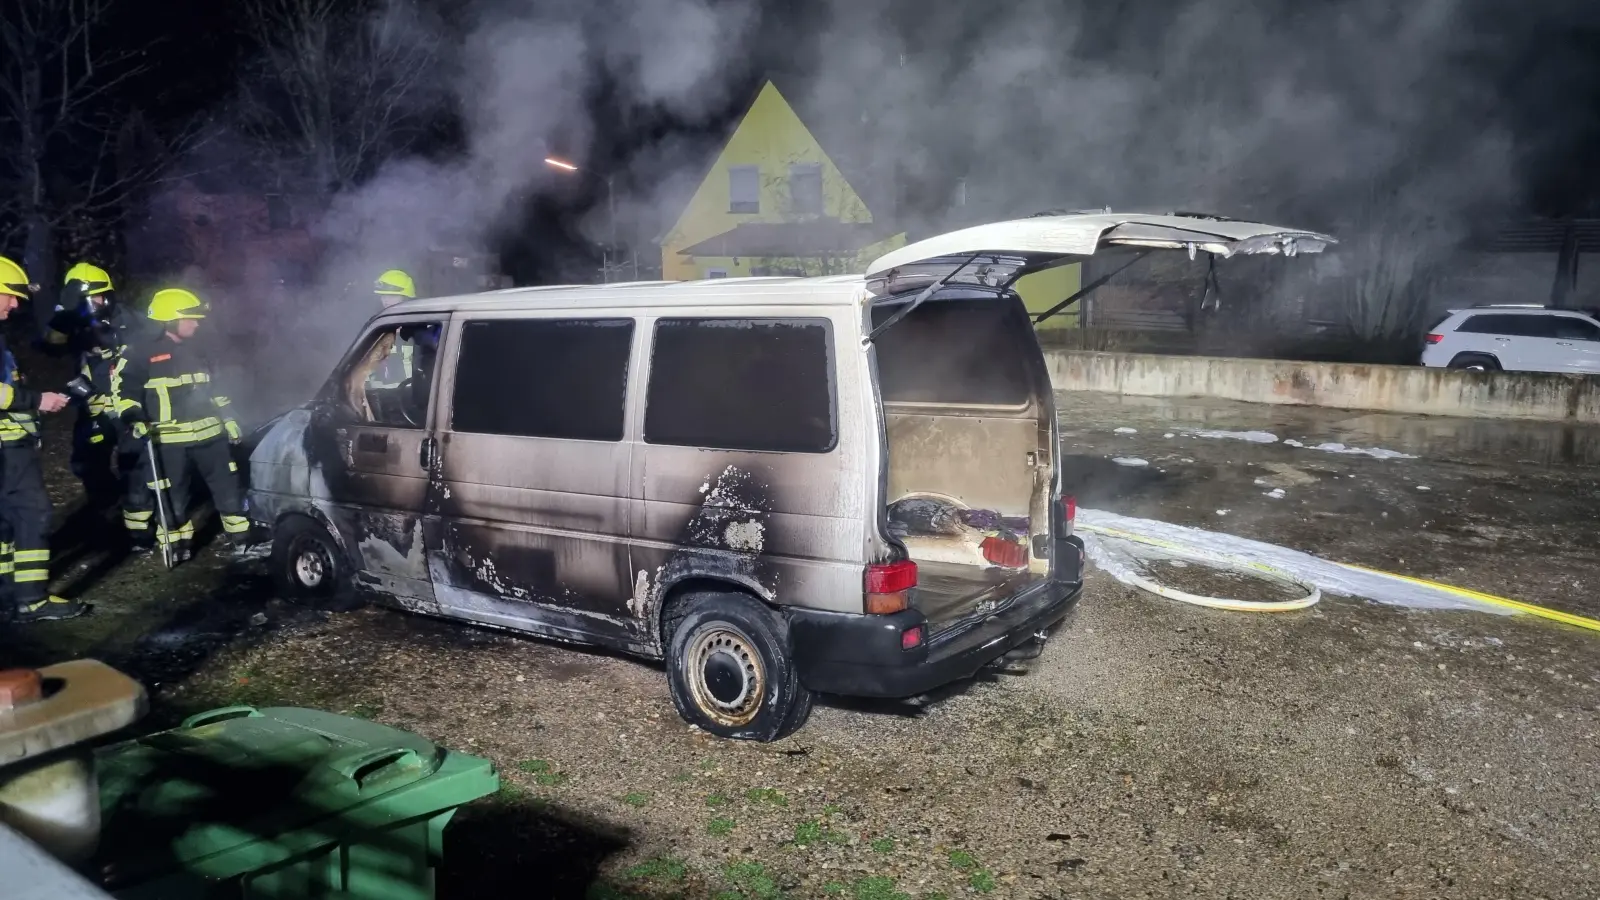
1400	389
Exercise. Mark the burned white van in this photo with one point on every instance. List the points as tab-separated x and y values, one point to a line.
780	486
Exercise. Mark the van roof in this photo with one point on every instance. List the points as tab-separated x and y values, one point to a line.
824	290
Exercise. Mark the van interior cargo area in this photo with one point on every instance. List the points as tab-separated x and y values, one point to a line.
969	458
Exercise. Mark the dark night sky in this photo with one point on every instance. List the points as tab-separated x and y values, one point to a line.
1546	68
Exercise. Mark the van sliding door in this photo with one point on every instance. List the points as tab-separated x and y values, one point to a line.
533	487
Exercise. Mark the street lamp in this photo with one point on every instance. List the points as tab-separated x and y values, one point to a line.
611	208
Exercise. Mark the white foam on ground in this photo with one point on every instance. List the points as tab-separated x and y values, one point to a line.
1254	437
1374	452
1331	577
1131	461
1125	430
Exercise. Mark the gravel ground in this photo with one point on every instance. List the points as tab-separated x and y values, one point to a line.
1153	750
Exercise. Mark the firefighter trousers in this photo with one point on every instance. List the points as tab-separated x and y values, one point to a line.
212	461
138	502
25	513
94	446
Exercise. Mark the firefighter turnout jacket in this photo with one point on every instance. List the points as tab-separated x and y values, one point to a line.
18	405
165	385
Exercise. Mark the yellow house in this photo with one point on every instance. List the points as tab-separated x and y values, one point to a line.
1042	290
773	203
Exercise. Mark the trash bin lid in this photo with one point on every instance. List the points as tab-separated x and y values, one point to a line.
279	778
74	702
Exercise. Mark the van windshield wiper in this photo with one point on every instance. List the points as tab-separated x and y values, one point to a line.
917	301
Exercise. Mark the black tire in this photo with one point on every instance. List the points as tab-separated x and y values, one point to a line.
729	669
309	567
1475	362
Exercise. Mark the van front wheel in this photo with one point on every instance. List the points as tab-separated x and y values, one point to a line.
729	669
308	566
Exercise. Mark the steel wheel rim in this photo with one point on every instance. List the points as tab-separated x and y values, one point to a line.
715	655
310	563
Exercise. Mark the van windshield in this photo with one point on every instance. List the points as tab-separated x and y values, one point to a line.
967	352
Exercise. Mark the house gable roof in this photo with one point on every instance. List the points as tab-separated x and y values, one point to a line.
769	130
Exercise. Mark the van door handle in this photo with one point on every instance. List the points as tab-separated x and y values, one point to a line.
1563	343
426	453
1502	340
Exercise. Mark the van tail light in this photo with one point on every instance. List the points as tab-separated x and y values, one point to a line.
1004	553
1069	513
888	586
1435	338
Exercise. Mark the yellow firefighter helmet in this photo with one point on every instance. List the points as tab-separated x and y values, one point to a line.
395	283
173	304
91	279
13	280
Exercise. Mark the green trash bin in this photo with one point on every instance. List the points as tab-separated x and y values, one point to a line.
271	804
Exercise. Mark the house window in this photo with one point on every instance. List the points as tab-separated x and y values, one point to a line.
805	188
716	273
547	378
741	384
744	189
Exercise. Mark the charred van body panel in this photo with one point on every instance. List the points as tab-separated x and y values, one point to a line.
590	541
842	484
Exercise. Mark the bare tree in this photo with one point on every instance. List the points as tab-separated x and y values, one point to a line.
58	73
1392	258
339	86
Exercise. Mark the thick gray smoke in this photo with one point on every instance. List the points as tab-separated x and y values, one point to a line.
1234	106
1361	117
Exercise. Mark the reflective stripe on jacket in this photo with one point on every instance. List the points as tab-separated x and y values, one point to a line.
18	422
169	383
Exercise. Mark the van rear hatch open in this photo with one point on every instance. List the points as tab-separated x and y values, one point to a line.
971	479
967	419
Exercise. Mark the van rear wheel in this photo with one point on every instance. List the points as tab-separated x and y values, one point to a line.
729	669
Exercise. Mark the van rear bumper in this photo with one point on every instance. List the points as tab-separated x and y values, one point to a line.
857	655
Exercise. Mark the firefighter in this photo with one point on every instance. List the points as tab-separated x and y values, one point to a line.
90	324
399	364
24	503
393	286
162	391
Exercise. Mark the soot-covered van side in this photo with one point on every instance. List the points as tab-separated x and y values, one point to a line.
781	486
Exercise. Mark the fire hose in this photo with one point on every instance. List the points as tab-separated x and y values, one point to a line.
1313	575
1312	594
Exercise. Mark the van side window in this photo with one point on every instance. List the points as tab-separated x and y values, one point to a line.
393	377
549	378
742	384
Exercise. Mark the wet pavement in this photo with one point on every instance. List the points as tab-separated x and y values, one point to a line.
1508	508
1154	749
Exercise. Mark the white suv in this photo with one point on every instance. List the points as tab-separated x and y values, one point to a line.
1516	338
